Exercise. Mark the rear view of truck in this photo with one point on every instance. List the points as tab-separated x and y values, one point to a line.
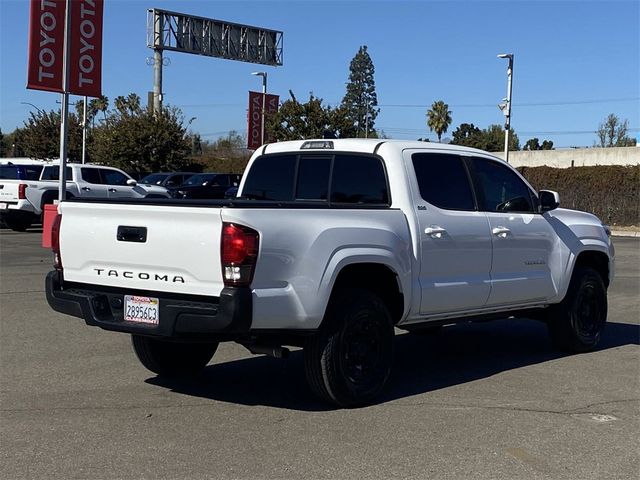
310	255
17	212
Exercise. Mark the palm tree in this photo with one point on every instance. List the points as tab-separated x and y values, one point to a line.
439	118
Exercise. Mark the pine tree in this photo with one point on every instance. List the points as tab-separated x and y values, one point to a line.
361	99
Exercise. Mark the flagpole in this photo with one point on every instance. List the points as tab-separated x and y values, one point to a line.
64	109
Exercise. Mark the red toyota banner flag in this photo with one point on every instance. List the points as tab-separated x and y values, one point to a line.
85	72
46	45
254	139
271	107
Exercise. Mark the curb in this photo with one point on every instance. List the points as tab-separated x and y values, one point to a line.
622	233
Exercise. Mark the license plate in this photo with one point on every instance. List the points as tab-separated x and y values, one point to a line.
141	309
3	206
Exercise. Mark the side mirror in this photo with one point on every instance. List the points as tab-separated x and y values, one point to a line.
131	182
549	200
171	183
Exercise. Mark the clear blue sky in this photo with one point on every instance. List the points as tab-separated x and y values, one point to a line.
575	62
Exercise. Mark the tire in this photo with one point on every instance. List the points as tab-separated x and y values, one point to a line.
349	360
17	223
172	359
576	324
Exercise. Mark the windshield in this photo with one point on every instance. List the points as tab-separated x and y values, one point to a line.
154	178
200	179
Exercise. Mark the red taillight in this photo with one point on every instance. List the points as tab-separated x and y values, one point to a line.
55	242
239	252
22	191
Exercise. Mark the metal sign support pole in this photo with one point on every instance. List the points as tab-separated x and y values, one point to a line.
84	130
64	109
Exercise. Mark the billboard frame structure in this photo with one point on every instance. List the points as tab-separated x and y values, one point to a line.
179	32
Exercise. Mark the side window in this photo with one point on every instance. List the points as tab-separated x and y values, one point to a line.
33	171
358	179
443	181
53	173
271	178
91	175
502	189
113	177
313	178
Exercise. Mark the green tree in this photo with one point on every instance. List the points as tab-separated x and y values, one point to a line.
138	141
439	118
226	154
613	133
361	100
467	134
4	150
493	139
40	136
534	144
298	121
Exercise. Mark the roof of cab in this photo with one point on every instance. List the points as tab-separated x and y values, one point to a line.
361	145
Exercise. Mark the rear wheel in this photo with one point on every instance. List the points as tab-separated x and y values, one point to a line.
576	324
172	359
17	223
349	360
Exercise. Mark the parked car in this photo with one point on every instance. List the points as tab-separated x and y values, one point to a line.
22	199
330	246
207	185
164	179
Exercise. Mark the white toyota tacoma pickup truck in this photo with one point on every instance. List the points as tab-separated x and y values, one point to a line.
329	246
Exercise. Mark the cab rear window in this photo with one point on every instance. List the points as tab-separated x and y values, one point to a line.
20	172
340	179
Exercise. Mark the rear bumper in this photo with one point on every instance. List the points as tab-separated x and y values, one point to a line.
21	207
181	316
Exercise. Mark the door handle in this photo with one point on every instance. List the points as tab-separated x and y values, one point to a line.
501	232
86	189
435	231
113	190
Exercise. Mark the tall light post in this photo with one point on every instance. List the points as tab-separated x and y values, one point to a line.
40	111
506	105
264	100
84	129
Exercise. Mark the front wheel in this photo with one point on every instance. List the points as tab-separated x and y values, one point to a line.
576	324
349	360
172	359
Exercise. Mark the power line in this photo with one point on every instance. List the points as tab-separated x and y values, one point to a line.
527	104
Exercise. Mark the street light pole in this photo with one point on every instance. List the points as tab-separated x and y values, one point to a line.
84	129
264	100
506	108
40	111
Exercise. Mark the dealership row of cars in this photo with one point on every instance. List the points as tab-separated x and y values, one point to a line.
26	186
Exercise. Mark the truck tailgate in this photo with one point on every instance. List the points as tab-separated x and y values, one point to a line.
142	247
9	192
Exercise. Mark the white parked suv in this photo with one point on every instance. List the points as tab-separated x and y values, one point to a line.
329	245
22	197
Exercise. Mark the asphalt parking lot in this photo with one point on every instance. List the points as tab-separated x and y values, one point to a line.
487	401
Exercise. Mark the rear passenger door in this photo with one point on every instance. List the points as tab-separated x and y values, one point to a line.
522	238
455	241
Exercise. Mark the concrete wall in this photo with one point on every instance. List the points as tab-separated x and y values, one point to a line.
582	157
